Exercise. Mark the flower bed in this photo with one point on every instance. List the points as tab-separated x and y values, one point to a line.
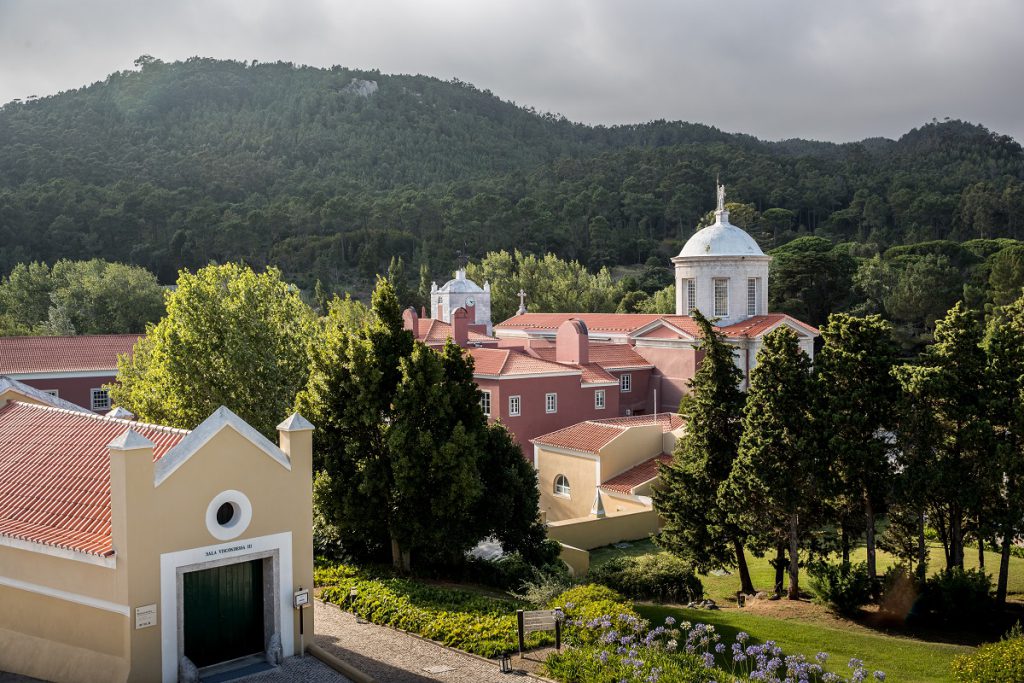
610	643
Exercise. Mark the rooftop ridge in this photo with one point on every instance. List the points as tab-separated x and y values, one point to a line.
54	337
131	424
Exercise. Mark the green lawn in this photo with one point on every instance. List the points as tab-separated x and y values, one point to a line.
902	659
723	588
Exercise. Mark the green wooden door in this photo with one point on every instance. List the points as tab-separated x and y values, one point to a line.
224	612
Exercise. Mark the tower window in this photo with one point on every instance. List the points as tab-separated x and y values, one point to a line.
689	295
721	297
752	296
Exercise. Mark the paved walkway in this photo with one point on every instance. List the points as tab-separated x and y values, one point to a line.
297	670
391	656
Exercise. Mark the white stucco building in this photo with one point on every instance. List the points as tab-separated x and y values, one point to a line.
461	292
722	272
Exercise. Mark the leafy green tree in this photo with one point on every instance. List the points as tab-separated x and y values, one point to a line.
1005	507
25	296
773	490
948	384
857	394
231	337
97	297
696	526
662	301
925	290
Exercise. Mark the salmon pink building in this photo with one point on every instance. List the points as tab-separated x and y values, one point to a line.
541	372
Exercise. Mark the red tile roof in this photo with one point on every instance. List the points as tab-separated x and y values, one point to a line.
507	362
593	435
640	474
55	474
22	355
631	323
605	355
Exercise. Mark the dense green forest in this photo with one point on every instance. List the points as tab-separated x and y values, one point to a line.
329	173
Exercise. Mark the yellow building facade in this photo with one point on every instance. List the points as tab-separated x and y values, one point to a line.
129	551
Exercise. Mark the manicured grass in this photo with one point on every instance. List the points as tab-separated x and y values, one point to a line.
723	588
902	659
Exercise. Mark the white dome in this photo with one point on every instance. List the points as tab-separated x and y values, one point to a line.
461	284
721	239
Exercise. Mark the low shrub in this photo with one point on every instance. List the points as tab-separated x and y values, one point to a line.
469	621
662	577
843	588
544	588
958	594
1001	662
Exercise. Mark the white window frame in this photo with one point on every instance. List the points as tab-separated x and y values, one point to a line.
753	284
626	382
551	403
723	283
689	295
485	402
599	402
516	401
561	486
104	404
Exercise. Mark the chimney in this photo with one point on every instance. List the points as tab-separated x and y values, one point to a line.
460	327
410	321
131	491
572	343
295	436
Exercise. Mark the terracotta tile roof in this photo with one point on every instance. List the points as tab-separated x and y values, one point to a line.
507	362
434	331
753	327
631	323
595	322
595	374
20	355
640	474
55	474
605	355
593	435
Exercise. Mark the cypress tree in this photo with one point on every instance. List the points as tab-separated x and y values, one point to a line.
774	485
696	527
856	394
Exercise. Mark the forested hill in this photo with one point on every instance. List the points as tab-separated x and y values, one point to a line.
331	172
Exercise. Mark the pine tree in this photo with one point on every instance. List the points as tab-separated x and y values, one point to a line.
774	485
1006	381
696	526
949	384
856	399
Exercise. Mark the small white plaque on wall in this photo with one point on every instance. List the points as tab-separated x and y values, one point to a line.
145	616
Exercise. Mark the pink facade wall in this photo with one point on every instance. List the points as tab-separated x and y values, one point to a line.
78	390
575	404
639	400
675	368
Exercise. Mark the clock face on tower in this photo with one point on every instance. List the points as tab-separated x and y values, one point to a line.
471	301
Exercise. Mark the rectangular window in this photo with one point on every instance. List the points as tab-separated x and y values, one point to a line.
551	403
691	296
100	399
721	297
752	296
52	392
514	406
626	383
485	402
599	399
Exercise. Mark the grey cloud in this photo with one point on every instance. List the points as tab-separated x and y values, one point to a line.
775	69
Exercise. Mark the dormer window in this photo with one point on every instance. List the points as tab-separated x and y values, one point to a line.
721	297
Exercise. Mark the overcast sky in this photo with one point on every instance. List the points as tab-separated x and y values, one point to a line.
773	68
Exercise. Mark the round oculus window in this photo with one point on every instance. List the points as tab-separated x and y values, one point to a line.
228	515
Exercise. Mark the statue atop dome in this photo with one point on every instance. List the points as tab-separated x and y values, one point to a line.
721	196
